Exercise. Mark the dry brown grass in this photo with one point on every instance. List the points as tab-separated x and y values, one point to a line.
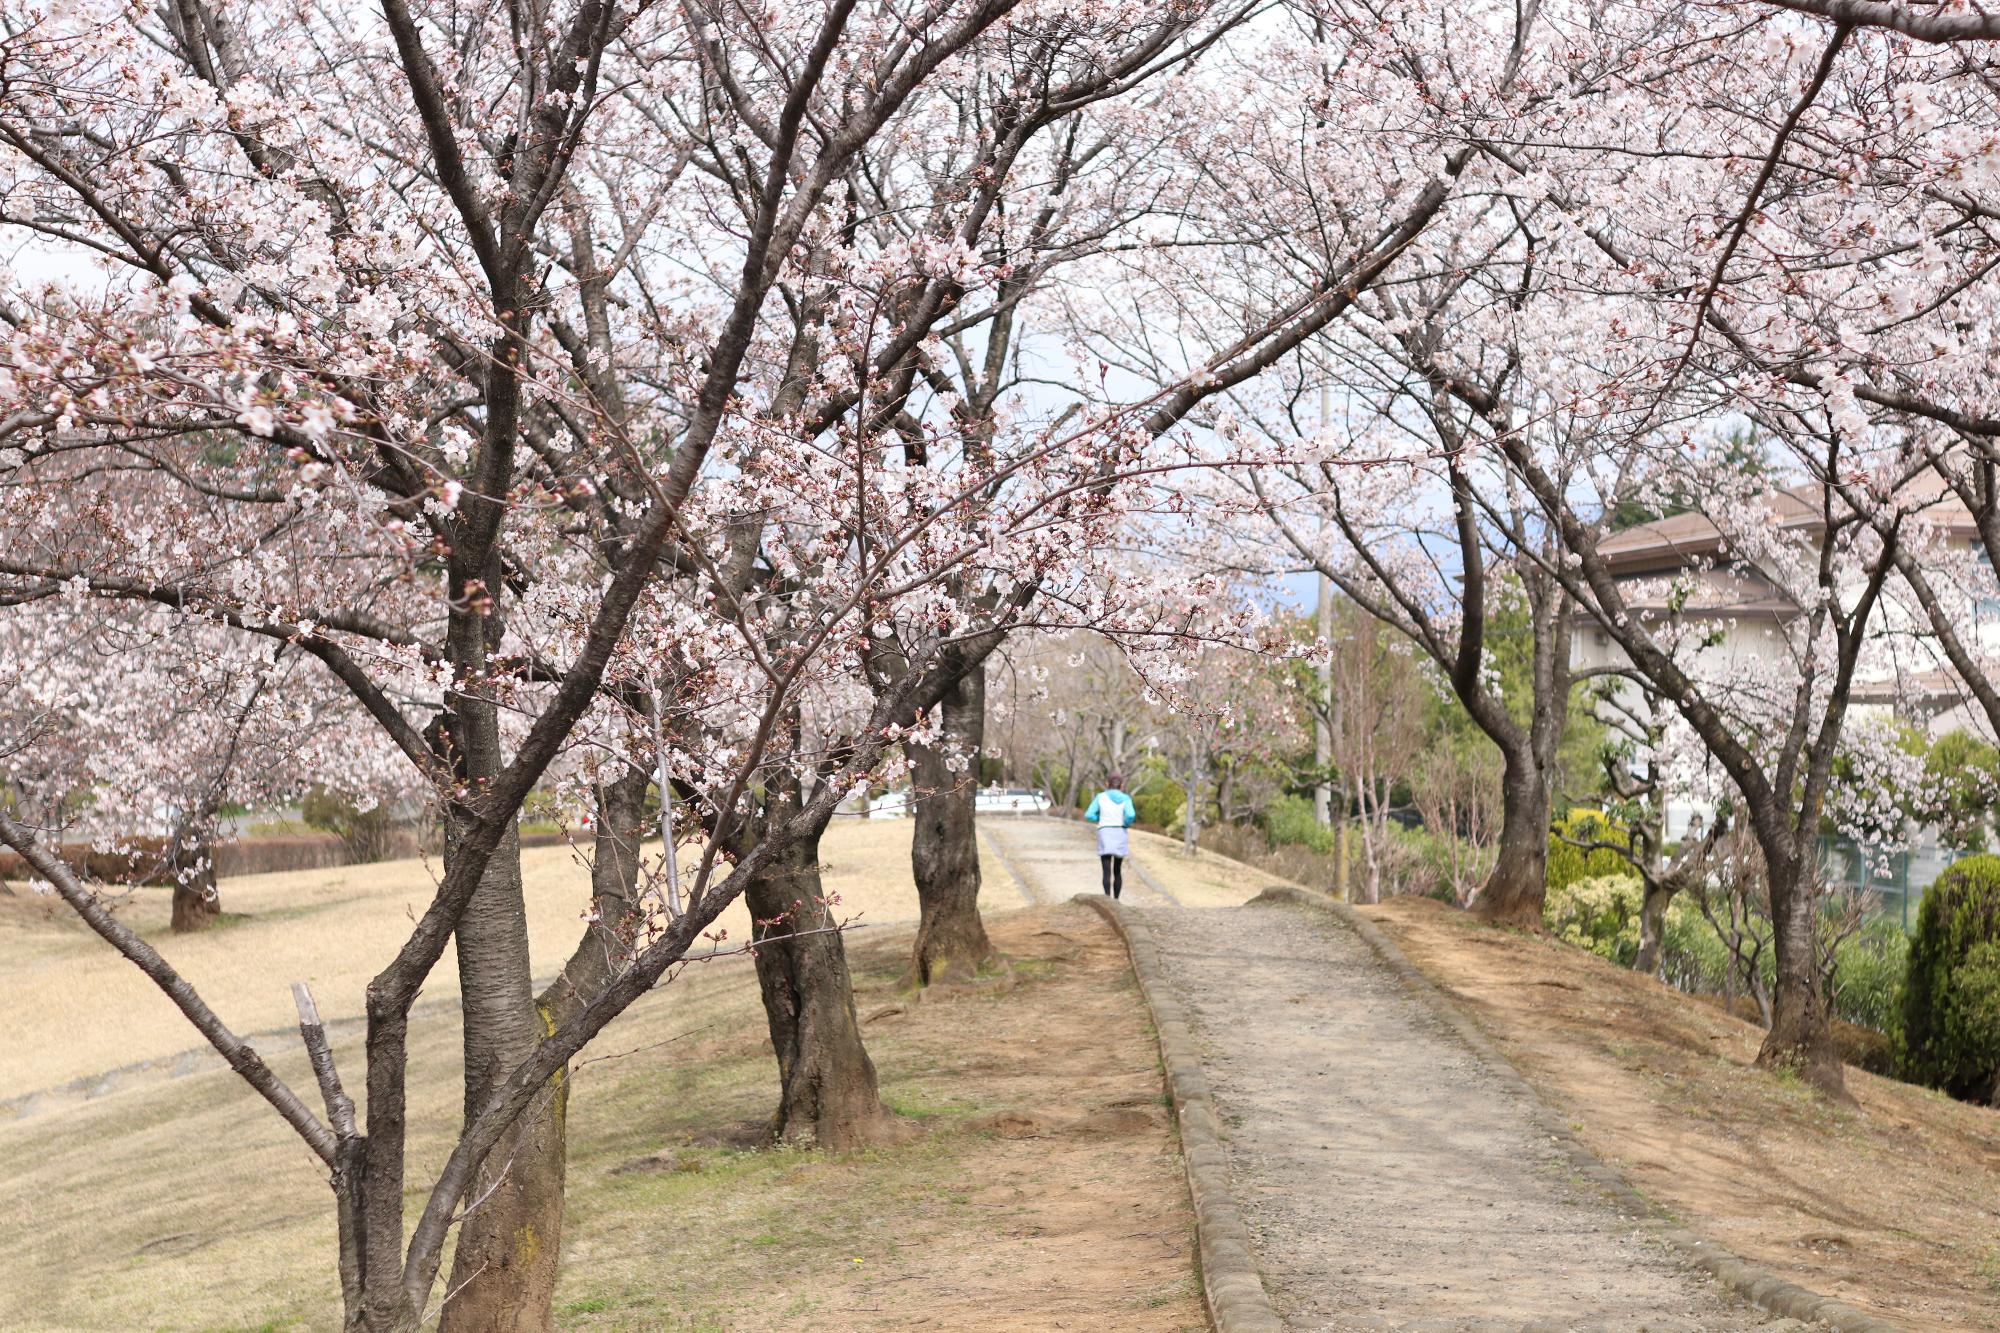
1045	1191
1206	880
335	928
1889	1204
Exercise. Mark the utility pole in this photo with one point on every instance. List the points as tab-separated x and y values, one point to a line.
1323	810
1322	726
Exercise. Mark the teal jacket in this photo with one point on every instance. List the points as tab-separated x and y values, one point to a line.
1112	809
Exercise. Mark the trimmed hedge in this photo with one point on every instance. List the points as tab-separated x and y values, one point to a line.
143	860
1951	992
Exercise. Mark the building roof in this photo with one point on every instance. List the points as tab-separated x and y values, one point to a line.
1935	688
1675	542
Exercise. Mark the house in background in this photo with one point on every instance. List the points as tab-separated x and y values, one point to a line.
1745	611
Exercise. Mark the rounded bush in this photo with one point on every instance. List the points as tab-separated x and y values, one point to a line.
1951	993
1290	820
1600	914
1159	801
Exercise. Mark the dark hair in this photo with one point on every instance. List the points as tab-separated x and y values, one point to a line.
1117	780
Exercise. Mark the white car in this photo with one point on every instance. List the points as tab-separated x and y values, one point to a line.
890	805
990	801
1011	801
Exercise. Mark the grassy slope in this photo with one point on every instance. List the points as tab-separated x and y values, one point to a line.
334	928
1887	1204
184	1204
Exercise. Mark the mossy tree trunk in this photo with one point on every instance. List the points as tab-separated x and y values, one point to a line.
827	1093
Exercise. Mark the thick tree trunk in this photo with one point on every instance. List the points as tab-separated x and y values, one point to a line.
827	1089
1801	1035
944	851
1513	893
520	1244
1652	924
191	864
504	1270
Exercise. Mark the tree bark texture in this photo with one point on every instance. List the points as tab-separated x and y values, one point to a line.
191	864
1652	926
504	1269
827	1088
534	1154
1513	893
944	850
1800	1036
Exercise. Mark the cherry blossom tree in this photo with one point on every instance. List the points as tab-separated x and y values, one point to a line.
1416	523
1099	220
133	721
442	372
1027	168
1430	525
1657	275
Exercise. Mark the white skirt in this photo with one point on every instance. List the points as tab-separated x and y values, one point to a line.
1113	842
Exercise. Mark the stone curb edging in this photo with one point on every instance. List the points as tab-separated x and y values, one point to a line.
1231	1286
1756	1284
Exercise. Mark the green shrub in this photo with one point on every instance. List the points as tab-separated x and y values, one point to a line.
369	835
1435	864
1868	974
1951	992
1568	864
1600	914
1159	802
1693	957
1290	821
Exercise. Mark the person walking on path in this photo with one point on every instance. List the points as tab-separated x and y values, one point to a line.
1111	810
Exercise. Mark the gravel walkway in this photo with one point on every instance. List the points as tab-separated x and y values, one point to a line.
1388	1180
1049	860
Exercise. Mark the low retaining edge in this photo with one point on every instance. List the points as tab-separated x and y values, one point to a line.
1231	1285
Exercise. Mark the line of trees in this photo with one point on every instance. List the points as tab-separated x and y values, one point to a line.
690	408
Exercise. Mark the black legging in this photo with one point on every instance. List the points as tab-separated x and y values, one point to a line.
1114	874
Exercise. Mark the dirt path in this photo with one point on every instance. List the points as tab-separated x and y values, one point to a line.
1388	1179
